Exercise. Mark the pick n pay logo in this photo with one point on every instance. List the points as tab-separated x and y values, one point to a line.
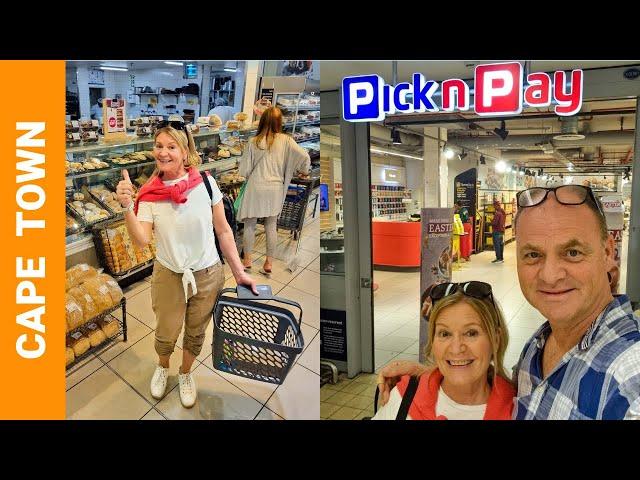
500	89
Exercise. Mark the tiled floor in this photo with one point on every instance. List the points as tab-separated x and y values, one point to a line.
396	322
115	383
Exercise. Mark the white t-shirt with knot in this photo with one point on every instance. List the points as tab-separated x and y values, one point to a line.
185	241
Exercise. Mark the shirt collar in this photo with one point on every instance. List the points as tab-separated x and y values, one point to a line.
607	315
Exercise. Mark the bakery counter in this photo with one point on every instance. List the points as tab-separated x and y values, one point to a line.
396	244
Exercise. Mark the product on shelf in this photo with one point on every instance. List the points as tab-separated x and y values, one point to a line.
97	289
194	128
106	196
88	210
223	152
78	342
78	274
144	131
72	126
71	224
109	326
86	302
215	120
73	137
135	157
89	136
73	312
235	151
94	333
121	255
233	125
69	356
114	289
240	116
94	163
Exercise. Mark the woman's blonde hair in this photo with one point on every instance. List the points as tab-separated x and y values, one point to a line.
492	321
270	125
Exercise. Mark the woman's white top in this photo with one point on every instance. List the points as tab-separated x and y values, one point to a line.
185	241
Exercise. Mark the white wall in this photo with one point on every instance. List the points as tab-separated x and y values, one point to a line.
414	179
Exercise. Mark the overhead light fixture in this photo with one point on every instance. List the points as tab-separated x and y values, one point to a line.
483	161
462	155
627	173
509	169
501	166
448	153
561	176
115	69
179	64
502	132
388	152
230	69
540	172
395	137
568	180
521	172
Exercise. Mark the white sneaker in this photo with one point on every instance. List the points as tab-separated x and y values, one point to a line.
159	382
188	392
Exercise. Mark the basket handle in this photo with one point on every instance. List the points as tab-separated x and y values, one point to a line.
274	298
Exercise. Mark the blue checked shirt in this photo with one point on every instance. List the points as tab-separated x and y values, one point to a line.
597	379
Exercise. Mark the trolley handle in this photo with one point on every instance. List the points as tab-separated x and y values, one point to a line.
265	298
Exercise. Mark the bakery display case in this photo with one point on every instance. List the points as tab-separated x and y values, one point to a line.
301	116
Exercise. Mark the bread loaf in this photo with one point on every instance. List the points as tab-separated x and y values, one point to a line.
89	307
78	342
78	274
109	325
70	357
97	289
73	313
114	289
94	333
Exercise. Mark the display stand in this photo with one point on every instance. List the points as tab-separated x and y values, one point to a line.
114	127
122	304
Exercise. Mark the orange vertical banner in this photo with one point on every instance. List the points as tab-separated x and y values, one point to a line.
32	248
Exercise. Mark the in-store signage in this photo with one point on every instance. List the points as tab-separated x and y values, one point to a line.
499	90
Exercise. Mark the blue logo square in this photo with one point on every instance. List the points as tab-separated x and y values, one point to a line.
362	98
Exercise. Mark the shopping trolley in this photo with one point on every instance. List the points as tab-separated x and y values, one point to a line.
255	340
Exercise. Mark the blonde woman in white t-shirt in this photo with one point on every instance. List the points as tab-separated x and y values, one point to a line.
175	206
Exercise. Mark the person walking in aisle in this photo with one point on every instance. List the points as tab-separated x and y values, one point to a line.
498	231
268	164
175	206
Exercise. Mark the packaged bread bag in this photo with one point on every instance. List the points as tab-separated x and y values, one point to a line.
78	274
114	289
94	333
89	307
78	343
97	289
109	325
69	357
73	312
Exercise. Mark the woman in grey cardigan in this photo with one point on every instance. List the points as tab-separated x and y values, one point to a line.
268	164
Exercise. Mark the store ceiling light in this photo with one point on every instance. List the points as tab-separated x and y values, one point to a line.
483	161
521	172
448	153
462	155
501	166
502	132
115	69
395	137
230	69
388	152
627	173
179	64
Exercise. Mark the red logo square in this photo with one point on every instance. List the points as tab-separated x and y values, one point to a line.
498	89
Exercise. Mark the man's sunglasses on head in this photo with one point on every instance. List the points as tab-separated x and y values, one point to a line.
565	195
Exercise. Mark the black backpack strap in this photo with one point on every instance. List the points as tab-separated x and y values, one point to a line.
207	185
407	398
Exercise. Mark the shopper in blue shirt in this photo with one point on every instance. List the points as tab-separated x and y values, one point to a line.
584	362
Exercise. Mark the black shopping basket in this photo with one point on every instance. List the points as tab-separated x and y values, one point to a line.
255	340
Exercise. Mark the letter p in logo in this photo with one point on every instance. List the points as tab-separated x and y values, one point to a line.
498	89
362	98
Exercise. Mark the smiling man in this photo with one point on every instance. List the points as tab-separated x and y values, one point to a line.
584	362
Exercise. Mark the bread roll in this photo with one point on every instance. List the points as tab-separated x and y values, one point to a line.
215	120
78	274
94	333
78	342
99	292
73	313
70	357
240	116
109	325
89	307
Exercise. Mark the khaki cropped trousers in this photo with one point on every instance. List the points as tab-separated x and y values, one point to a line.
167	299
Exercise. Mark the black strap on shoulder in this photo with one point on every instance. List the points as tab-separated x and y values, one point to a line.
407	398
207	185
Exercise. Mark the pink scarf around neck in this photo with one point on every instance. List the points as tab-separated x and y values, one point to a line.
155	190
